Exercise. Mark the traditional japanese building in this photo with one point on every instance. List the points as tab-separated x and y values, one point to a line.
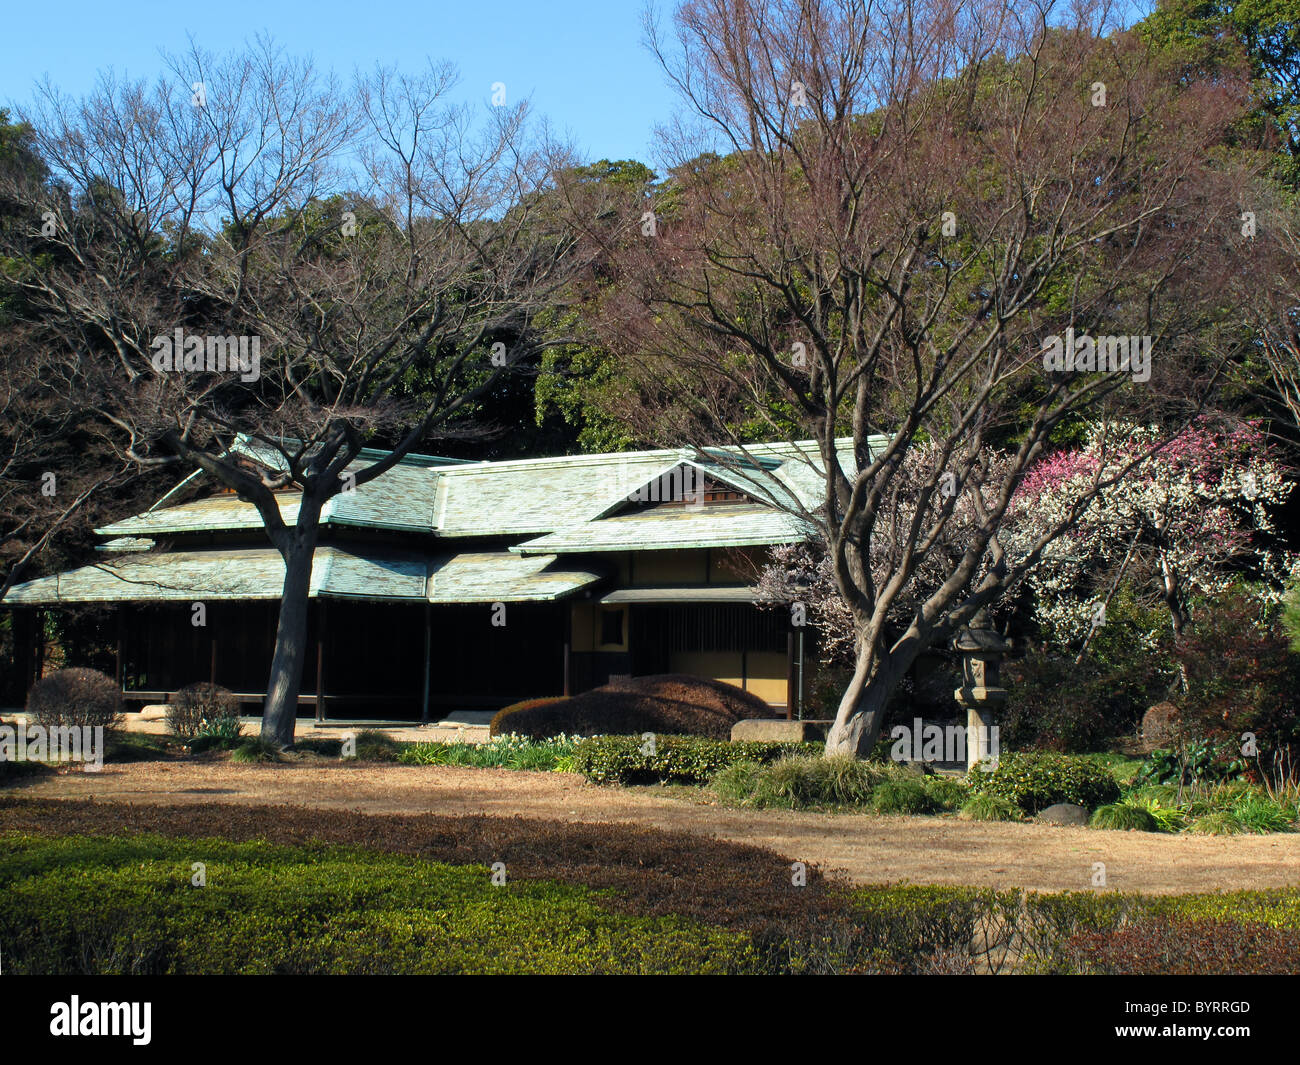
449	585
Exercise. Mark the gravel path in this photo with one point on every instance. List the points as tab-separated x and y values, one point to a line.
869	849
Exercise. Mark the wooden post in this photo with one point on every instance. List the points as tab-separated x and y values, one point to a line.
320	660
212	667
568	644
789	676
428	661
38	657
121	608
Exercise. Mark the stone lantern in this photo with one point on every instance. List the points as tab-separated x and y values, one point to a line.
982	650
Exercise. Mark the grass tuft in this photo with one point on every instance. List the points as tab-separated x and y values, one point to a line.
1124	817
989	808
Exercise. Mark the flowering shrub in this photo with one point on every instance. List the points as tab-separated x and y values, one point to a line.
1181	522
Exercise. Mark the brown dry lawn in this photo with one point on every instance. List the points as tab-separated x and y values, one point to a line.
869	849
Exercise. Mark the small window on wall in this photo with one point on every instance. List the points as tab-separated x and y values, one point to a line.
611	626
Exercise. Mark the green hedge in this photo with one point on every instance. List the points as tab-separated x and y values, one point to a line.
122	905
911	928
502	752
115	904
1034	781
670	759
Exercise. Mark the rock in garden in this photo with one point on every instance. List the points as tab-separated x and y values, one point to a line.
1064	813
1159	725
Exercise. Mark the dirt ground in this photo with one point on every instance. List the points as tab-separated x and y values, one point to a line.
868	848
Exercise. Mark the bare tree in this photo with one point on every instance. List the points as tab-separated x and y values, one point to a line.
1269	287
48	479
903	222
250	246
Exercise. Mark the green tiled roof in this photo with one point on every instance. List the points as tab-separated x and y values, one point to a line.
533	496
258	573
524	497
556	506
499	576
220	513
401	499
743	525
252	573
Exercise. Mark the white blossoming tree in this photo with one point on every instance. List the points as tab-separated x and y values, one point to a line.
1187	520
1180	525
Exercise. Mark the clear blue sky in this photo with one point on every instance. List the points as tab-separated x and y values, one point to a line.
581	62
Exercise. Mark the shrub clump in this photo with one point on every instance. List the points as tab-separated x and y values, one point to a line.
76	697
503	752
1034	781
1164	947
946	793
981	807
204	709
500	726
902	795
1124	817
256	749
795	781
371	745
668	759
1216	823
1214	809
671	703
1262	815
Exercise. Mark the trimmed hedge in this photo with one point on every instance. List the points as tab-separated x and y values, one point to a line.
1034	781
670	759
1162	947
128	905
503	752
667	702
89	899
1080	932
500	725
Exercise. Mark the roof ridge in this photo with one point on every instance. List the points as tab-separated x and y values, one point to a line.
687	452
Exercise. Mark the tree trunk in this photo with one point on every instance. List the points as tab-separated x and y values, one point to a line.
1171	585
861	711
280	711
